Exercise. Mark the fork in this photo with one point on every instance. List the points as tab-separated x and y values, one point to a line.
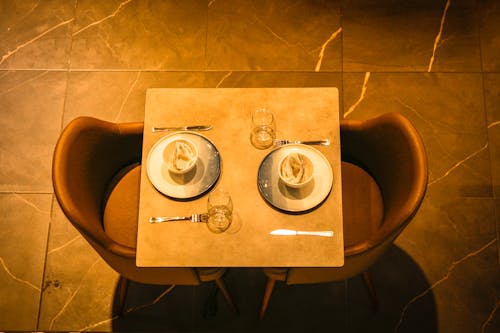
193	218
281	142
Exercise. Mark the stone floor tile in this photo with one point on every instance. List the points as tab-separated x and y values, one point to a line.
25	224
149	35
402	37
119	96
490	34
31	104
35	34
273	35
492	100
492	105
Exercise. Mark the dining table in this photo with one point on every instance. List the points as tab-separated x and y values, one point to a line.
228	160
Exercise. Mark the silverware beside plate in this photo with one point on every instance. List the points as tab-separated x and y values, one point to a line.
182	128
288	232
281	142
192	218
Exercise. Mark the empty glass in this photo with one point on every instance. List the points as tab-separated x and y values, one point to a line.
220	210
263	129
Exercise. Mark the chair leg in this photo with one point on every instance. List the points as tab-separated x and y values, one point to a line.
371	290
222	287
267	295
122	294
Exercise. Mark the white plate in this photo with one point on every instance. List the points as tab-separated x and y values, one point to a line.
290	199
193	183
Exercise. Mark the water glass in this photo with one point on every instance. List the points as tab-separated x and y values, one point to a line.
263	129
220	210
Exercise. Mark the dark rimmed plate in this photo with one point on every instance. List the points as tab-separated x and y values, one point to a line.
276	193
193	183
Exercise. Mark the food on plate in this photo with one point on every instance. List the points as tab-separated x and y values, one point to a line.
181	156
295	169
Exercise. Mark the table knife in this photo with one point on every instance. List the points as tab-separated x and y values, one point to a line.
288	232
182	128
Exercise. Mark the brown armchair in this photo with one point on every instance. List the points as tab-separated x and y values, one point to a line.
384	179
96	177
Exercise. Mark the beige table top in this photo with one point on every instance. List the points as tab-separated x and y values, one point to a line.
301	113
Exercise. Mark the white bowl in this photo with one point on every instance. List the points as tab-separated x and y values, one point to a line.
181	165
296	182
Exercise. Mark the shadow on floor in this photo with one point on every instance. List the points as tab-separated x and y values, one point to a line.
339	306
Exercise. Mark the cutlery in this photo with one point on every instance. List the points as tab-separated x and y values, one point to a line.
288	232
182	128
281	142
192	218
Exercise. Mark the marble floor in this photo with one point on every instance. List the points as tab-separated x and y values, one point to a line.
435	61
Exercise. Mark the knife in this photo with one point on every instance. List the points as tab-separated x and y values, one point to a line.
182	128
288	232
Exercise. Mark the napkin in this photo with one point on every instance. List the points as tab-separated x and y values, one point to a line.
183	155
293	168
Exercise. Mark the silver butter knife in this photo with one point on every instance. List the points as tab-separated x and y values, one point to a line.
288	232
182	128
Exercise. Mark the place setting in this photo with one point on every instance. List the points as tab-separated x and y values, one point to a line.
184	164
293	177
219	214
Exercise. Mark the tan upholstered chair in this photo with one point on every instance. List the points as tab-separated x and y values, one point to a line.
384	179
96	176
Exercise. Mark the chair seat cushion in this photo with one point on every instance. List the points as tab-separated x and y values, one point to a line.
122	207
362	204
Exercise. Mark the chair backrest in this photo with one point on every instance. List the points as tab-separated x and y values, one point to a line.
87	157
389	148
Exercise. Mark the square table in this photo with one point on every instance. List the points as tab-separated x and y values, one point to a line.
301	114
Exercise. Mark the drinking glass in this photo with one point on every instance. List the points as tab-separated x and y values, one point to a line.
220	210
263	129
